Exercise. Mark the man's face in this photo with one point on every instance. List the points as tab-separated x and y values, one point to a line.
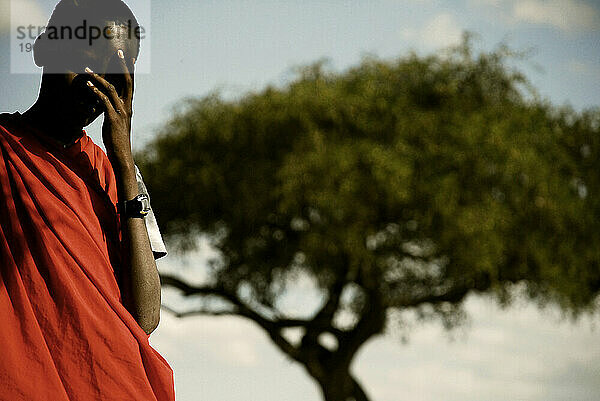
77	103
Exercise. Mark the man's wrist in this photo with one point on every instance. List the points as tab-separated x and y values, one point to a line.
126	182
124	167
120	159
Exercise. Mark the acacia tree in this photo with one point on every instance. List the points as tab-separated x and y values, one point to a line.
395	185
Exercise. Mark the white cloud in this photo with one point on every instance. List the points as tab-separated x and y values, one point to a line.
232	342
568	15
516	353
228	359
240	352
441	31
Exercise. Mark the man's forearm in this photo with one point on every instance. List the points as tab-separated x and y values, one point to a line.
140	283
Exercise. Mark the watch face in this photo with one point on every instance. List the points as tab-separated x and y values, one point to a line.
138	206
144	205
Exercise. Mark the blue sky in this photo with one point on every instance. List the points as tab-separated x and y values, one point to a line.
240	45
197	46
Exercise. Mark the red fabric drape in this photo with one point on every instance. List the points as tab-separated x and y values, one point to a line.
65	334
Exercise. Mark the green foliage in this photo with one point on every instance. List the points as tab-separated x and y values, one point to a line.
419	179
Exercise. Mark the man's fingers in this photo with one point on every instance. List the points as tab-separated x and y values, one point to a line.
128	74
107	88
108	106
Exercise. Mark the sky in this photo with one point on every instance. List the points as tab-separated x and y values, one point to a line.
197	46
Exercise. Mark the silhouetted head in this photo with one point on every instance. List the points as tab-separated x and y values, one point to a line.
80	34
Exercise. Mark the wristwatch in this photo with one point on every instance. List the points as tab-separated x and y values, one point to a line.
137	207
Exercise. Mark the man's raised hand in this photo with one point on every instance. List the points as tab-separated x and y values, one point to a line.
118	108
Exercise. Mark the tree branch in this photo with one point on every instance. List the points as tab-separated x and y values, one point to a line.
323	320
358	392
240	309
370	323
187	289
287	323
455	294
199	312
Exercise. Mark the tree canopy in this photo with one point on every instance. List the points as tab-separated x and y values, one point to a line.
395	184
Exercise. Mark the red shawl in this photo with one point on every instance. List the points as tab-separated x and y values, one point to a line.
65	334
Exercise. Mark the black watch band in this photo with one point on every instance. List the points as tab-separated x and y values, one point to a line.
137	207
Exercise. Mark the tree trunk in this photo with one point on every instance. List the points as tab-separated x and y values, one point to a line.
358	392
331	369
342	386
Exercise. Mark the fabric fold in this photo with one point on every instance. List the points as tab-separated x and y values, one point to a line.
66	334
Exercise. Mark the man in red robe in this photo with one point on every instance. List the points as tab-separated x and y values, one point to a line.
79	288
